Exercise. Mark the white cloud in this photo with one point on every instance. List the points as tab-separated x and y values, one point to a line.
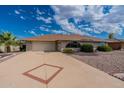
112	21
109	22
68	11
45	28
100	22
41	34
17	12
31	32
42	28
46	20
22	17
39	12
116	15
63	13
21	10
107	27
59	32
95	12
49	26
39	16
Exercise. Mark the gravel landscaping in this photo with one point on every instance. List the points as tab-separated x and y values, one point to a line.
2	55
6	56
109	62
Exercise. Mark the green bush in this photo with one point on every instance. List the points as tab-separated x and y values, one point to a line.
104	48
87	48
67	50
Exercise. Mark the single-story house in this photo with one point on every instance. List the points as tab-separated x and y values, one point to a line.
56	42
12	48
116	44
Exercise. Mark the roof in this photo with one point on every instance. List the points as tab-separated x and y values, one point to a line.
115	40
61	37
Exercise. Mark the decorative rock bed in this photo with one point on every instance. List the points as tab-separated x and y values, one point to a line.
5	56
109	62
119	75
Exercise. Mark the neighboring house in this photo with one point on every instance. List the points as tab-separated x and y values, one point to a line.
116	44
56	42
13	48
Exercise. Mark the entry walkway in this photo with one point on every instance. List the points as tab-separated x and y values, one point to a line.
52	69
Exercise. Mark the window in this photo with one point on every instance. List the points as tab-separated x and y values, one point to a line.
101	44
73	44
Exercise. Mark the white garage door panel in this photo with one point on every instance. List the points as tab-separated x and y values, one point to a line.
43	46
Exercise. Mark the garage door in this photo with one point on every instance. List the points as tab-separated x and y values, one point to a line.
43	46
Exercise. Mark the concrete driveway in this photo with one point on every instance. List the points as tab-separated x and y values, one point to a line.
52	69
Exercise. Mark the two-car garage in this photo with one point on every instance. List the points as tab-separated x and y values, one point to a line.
41	46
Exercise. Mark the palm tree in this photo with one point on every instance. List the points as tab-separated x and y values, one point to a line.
7	39
111	36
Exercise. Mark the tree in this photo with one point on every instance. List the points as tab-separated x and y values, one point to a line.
7	39
111	36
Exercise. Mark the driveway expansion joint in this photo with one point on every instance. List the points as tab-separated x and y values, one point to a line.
46	80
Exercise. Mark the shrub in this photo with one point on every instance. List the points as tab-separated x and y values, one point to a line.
104	48
67	50
87	48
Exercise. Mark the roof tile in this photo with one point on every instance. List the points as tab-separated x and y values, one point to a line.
55	37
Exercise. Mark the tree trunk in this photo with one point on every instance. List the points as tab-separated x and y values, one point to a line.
8	49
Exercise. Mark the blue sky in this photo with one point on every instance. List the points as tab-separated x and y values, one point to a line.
29	21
